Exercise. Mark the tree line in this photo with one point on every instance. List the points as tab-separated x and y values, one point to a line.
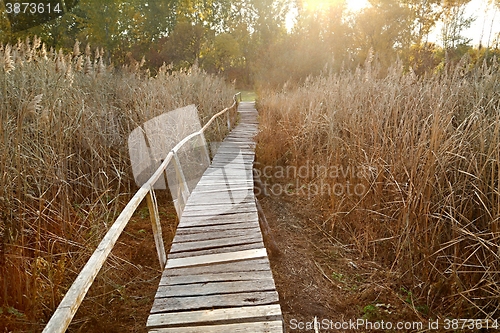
249	41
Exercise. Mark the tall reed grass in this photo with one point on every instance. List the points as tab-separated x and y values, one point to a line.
64	167
424	153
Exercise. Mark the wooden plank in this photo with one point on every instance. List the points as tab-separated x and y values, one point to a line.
171	304
218	203
241	314
217	208
223	189
249	265
215	243
220	257
236	152
240	152
234	217
254	231
229	227
222	199
231	161
219	195
224	186
247	148
217	212
220	210
225	276
218	250
229	173
275	326
244	143
221	164
214	288
215	222
222	183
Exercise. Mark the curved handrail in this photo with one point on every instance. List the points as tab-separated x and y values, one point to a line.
66	310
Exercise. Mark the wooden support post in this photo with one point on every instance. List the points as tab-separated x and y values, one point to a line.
229	120
203	143
266	232
155	223
181	180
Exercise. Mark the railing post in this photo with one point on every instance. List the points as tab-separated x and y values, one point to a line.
181	179
155	223
203	142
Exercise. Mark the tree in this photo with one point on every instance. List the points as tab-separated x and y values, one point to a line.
424	15
455	22
385	28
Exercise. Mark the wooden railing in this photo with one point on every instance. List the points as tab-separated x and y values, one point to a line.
66	310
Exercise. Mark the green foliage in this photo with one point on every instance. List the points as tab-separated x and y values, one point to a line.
246	40
371	312
338	276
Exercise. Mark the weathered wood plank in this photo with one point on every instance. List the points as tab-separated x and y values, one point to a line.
213	258
172	304
209	226
219	203
216	227
229	315
215	243
222	183
224	276
217	234
218	208
254	327
219	196
214	288
249	265
230	174
221	210
234	217
217	224
218	250
204	190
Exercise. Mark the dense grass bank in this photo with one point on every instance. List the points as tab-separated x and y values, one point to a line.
406	169
64	167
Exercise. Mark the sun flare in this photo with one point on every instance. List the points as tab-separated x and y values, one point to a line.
318	5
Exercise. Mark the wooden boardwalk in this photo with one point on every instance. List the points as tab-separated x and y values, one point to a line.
217	277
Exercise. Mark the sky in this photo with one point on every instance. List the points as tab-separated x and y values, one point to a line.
487	19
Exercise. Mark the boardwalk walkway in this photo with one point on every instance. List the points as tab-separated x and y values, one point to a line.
217	277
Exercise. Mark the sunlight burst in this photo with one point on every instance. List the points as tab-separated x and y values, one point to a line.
318	5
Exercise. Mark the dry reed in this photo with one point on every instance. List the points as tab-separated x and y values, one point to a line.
64	171
424	154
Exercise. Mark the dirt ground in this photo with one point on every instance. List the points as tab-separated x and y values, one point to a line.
318	276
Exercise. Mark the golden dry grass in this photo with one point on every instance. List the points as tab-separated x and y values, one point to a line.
423	155
64	167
